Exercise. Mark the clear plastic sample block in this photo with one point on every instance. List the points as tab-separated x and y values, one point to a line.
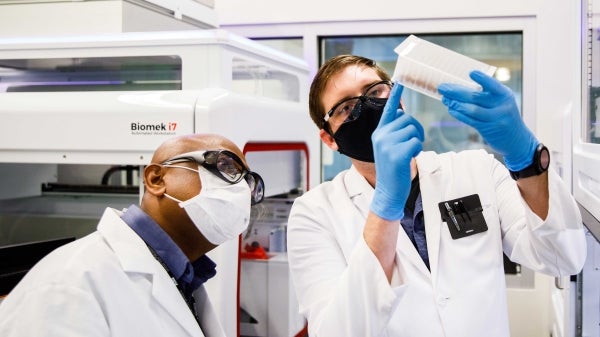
423	66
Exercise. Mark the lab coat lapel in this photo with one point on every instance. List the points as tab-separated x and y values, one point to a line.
362	194
135	258
167	295
208	318
430	179
406	249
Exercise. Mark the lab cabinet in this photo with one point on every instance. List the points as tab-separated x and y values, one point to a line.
587	317
586	125
586	176
111	99
268	305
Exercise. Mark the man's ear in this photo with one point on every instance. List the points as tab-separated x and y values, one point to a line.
153	179
328	139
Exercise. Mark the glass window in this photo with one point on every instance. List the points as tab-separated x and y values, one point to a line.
91	74
591	122
253	78
257	80
443	132
292	46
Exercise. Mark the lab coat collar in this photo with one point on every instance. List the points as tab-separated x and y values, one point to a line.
431	180
359	190
428	163
135	257
356	184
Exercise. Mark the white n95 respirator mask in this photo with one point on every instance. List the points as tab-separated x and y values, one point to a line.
221	211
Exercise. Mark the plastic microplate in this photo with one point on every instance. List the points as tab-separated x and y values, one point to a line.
423	66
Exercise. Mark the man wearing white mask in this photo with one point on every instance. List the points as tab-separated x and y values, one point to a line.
142	272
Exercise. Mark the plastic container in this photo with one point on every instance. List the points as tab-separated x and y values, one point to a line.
423	66
277	240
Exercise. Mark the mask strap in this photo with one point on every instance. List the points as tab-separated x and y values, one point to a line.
183	167
172	198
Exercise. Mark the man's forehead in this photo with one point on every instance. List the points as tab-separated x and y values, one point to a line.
187	144
221	145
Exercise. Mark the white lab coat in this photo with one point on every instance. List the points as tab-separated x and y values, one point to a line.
343	291
105	284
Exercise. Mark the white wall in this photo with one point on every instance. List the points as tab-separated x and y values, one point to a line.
233	12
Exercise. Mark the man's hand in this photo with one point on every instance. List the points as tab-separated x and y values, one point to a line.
494	113
397	139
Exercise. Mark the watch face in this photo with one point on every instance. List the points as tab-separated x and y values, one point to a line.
544	159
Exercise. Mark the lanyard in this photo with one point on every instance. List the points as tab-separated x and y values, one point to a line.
189	301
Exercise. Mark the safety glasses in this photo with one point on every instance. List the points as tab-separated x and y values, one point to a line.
227	166
344	111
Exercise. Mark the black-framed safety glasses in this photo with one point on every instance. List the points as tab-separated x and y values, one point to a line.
344	111
227	166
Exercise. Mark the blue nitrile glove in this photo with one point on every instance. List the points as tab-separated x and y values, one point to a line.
397	139
494	113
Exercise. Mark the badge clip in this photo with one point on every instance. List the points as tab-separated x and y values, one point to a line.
464	216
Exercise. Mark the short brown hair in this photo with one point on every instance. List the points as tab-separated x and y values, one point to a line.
327	70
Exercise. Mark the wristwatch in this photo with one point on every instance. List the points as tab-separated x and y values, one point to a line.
540	164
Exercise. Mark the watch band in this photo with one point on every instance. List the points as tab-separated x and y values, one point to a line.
539	165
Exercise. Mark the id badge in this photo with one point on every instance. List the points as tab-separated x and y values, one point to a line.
464	216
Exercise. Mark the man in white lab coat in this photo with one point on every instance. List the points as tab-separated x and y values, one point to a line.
142	272
410	243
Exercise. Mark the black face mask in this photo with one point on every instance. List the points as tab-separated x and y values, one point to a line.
354	137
